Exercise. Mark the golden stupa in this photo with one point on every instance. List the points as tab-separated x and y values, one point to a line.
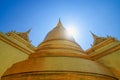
58	57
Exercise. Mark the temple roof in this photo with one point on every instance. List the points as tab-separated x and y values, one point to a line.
23	35
97	39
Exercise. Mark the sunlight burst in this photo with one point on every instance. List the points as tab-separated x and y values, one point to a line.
72	31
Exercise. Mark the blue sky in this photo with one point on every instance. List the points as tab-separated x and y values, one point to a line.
102	17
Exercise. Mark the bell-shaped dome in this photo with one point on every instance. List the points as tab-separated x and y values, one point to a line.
59	43
59	32
58	57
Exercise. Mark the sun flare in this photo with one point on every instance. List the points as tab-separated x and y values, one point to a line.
72	31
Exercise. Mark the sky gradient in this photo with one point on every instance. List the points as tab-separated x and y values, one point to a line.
102	17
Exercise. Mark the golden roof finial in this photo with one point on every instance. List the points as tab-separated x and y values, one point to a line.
28	31
59	24
94	36
24	35
97	39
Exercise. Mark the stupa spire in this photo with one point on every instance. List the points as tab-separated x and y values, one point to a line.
59	24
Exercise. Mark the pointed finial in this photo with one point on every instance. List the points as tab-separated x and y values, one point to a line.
94	36
59	20
97	39
28	31
59	23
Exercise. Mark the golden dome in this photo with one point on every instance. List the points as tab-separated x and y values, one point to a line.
59	32
59	43
58	57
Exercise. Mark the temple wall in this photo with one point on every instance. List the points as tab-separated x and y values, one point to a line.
12	50
107	53
112	61
9	55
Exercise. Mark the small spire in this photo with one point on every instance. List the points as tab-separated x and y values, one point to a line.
28	31
94	36
59	24
97	39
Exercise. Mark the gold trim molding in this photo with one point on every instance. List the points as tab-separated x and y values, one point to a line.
6	40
